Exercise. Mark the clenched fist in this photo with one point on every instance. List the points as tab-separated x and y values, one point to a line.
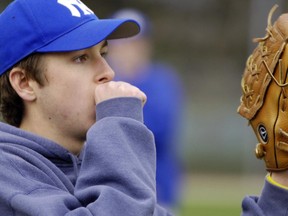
118	89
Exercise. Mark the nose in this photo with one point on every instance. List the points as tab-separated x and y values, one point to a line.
106	75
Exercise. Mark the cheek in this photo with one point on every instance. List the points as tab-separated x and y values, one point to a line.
71	93
71	100
81	99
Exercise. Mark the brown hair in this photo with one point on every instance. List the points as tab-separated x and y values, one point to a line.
11	105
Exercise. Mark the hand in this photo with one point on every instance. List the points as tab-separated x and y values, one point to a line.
114	89
280	177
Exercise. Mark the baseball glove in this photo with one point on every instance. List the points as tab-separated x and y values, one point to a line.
264	100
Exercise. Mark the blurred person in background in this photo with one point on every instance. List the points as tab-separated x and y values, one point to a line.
132	59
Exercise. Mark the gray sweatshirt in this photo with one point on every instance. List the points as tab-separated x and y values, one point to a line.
114	175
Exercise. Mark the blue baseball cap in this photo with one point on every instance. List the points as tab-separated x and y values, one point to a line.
29	26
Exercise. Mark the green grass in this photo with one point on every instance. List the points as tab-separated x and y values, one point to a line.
217	195
209	210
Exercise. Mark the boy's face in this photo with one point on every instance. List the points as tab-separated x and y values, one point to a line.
66	102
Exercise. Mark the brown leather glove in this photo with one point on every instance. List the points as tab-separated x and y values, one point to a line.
265	94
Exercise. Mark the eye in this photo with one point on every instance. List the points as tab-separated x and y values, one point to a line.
104	54
81	58
104	51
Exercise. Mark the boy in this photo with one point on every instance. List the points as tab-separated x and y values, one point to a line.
75	142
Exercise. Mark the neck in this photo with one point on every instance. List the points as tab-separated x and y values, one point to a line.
72	144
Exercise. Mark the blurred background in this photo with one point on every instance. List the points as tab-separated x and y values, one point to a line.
207	42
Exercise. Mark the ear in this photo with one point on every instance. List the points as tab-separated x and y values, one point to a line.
21	84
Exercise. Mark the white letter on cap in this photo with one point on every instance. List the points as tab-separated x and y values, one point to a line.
70	4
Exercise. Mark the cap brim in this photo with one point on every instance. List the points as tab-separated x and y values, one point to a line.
92	33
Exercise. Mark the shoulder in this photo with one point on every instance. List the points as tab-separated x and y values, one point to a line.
25	168
23	160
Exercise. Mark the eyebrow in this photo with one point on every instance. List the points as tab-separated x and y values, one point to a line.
105	43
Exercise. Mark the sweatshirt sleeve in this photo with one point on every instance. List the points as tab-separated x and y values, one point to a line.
117	175
118	170
272	201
